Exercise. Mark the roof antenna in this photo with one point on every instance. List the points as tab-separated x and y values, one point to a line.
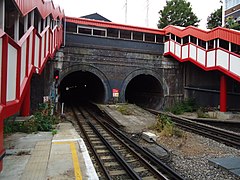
147	20
126	4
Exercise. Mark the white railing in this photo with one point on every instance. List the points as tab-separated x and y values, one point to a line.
19	60
213	59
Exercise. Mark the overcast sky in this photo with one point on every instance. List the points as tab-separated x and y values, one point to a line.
114	10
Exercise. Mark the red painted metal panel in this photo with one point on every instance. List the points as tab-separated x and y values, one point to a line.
223	94
18	85
219	32
44	8
4	70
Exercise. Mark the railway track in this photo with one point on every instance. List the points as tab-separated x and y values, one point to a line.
221	135
117	156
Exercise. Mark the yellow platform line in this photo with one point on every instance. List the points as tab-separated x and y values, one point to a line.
77	170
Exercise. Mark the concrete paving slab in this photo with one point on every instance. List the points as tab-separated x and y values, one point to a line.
138	120
236	171
13	167
25	141
37	164
43	156
231	164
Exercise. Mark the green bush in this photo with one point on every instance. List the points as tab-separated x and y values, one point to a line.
42	120
184	106
166	127
201	113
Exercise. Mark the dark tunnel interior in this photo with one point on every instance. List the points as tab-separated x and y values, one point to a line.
145	91
81	87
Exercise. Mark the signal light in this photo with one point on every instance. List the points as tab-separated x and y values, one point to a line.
56	74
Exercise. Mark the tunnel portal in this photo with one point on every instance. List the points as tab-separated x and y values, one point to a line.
80	87
145	91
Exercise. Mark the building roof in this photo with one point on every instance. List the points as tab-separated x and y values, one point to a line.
96	16
104	24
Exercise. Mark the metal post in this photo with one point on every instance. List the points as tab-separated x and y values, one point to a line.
25	107
223	94
48	21
119	34
223	12
32	18
25	23
2	14
39	24
62	112
16	28
2	150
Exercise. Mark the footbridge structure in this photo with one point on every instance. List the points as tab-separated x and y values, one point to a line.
30	34
172	63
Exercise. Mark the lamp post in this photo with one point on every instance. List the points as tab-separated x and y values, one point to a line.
223	12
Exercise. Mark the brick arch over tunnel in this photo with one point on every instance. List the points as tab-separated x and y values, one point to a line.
148	87
83	68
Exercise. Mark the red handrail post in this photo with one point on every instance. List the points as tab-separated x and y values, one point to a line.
25	107
223	94
2	150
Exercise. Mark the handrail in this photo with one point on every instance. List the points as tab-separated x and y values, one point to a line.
227	70
8	108
216	33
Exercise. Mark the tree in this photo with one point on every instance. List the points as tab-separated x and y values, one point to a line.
215	19
232	23
179	13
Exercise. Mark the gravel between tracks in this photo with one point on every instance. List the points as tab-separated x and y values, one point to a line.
190	156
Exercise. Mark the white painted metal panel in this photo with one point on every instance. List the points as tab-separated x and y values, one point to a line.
172	44
42	53
211	58
53	41
193	51
185	52
23	62
178	51
11	73
235	64
201	56
47	43
222	58
30	52
0	67
50	42
36	56
166	47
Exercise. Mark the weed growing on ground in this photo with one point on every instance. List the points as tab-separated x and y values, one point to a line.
202	114
42	120
54	131
188	105
166	127
123	109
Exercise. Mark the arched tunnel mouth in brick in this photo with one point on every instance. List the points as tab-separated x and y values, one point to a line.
81	87
145	91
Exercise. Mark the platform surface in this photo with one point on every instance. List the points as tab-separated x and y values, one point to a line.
43	156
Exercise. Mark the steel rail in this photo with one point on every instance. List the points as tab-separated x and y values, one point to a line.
120	159
168	172
228	138
136	153
105	171
153	159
